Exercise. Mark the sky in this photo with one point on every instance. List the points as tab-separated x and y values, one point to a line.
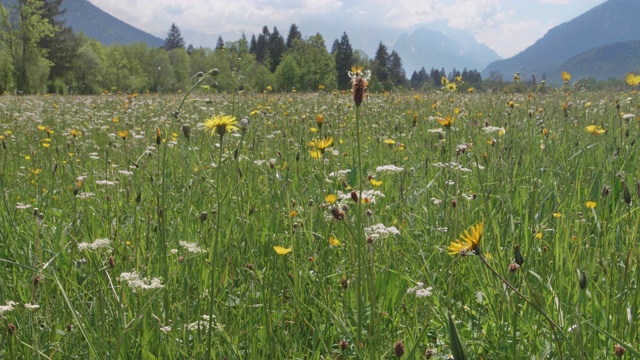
506	26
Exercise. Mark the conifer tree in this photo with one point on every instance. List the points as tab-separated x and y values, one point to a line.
174	39
343	55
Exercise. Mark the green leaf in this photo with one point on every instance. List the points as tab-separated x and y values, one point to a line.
457	348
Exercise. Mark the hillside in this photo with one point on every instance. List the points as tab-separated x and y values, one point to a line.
605	62
611	22
82	16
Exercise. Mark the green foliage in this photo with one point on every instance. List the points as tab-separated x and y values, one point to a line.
288	75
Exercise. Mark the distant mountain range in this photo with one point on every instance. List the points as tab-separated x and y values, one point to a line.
601	43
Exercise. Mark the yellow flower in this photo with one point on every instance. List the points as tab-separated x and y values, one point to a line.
319	120
221	124
389	142
447	121
282	251
313	130
566	76
452	86
73	132
333	241
471	89
331	198
321	144
557	214
590	204
123	134
293	213
468	242
595	130
41	128
538	235
315	153
375	182
633	80
115	120
46	145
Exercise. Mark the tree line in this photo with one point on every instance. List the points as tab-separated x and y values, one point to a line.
39	53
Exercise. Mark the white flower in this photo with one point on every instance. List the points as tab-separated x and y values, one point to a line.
85	195
31	306
389	169
204	324
420	290
125	172
21	206
8	307
105	182
136	283
96	245
489	129
379	231
192	247
340	173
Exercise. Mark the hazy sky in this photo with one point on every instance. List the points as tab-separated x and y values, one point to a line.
506	26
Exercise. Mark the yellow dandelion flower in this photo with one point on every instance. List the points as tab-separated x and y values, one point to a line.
538	235
313	130
281	250
468	242
566	76
115	120
46	145
333	241
41	128
595	130
590	204
447	121
319	120
557	215
331	198
123	134
221	124
73	132
375	182
315	153
293	213
321	144
452	86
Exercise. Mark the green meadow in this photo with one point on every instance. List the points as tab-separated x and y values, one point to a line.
416	225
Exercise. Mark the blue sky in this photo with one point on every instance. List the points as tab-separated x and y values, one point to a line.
506	26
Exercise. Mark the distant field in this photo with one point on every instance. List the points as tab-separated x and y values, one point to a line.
126	232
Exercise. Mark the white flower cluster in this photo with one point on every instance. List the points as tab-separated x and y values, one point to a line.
420	290
7	308
192	247
204	324
379	231
136	283
96	245
389	169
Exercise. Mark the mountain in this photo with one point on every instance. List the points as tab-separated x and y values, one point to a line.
85	17
447	49
82	16
606	62
610	22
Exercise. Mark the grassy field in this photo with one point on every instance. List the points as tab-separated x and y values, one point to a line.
128	232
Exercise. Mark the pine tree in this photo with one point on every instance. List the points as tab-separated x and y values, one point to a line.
294	34
62	46
397	75
220	43
174	39
277	47
343	55
380	64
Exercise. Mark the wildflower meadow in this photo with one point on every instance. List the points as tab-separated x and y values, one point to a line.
327	225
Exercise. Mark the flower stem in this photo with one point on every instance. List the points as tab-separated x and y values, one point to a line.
552	324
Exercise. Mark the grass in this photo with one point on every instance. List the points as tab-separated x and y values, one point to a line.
196	219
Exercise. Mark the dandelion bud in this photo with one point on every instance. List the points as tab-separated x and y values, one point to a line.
454	203
345	284
354	196
319	120
112	262
618	350
513	267
310	203
36	212
583	279
337	213
11	329
517	255
244	125
158	136
36	280
398	348
186	131
138	197
180	259
176	114
626	195
199	74
343	344
214	71
605	191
